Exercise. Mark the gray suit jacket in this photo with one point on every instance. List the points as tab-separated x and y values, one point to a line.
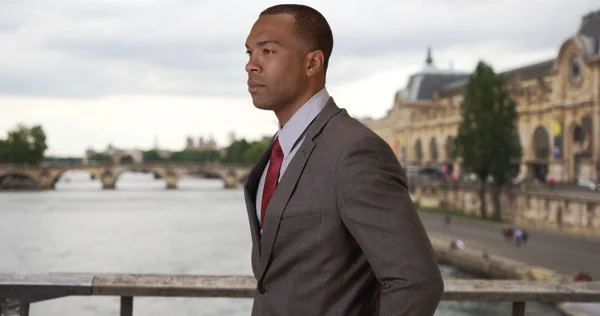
341	235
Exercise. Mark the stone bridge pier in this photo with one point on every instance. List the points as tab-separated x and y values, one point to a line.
108	179
110	176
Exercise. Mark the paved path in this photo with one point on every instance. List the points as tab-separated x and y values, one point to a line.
563	254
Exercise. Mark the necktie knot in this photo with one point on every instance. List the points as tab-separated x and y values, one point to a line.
276	153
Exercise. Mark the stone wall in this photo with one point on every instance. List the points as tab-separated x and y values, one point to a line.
544	208
488	266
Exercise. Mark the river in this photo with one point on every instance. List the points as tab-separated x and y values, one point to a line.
140	227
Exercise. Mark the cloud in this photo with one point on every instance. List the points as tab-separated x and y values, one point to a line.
447	24
122	72
100	48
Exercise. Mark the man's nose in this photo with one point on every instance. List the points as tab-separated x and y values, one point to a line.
253	65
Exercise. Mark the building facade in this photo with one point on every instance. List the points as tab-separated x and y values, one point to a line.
115	153
558	102
202	144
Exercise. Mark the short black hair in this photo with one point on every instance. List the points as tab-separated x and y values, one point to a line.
311	27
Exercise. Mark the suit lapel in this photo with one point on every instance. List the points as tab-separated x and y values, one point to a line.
288	182
250	190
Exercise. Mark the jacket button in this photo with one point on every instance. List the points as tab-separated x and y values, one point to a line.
261	289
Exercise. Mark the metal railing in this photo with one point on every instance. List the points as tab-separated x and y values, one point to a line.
25	289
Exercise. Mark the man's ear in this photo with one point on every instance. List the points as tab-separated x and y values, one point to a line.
314	62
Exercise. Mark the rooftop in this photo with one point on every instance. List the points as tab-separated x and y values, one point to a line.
423	85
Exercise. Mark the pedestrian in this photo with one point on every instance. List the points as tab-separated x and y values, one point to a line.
518	237
582	277
334	229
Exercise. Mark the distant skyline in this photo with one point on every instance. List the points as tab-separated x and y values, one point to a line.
125	72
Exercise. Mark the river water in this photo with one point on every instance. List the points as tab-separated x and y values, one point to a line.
200	228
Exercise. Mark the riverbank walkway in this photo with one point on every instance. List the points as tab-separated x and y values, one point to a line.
561	253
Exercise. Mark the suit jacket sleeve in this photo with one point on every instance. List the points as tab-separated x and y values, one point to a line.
375	205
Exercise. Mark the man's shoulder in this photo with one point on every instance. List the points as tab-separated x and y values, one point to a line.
346	131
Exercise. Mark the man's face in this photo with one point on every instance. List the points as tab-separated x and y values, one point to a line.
275	66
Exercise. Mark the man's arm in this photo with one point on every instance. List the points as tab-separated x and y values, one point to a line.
375	205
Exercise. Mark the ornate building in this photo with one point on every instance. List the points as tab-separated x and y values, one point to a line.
202	144
558	102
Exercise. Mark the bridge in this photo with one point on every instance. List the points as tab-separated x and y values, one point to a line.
46	176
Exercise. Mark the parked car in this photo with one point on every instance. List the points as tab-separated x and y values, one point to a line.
430	173
589	184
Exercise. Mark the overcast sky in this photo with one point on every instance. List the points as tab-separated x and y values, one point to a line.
128	72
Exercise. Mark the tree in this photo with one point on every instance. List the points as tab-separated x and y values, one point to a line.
488	140
151	155
24	145
127	159
235	151
206	155
37	139
254	152
4	150
100	158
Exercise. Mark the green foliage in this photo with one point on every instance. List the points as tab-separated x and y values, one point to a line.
208	155
235	151
488	140
100	158
239	152
151	155
127	159
244	152
24	145
28	145
255	151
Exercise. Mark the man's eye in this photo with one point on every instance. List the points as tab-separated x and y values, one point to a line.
266	51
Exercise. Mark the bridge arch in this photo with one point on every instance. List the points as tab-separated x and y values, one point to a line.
210	174
157	173
55	178
230	175
110	177
244	177
18	180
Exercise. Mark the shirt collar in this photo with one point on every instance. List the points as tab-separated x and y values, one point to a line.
295	127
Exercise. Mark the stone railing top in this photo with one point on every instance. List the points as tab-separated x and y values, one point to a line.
37	287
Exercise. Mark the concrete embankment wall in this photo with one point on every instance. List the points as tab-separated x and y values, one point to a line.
492	267
496	267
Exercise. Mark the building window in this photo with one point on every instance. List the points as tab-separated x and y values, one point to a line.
575	70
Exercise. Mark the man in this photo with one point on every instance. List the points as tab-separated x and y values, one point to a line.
334	230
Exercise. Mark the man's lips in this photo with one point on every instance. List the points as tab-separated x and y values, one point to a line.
254	87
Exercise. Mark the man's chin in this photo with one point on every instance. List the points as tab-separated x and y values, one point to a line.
261	105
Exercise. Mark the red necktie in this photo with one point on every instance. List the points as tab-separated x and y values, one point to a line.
271	178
